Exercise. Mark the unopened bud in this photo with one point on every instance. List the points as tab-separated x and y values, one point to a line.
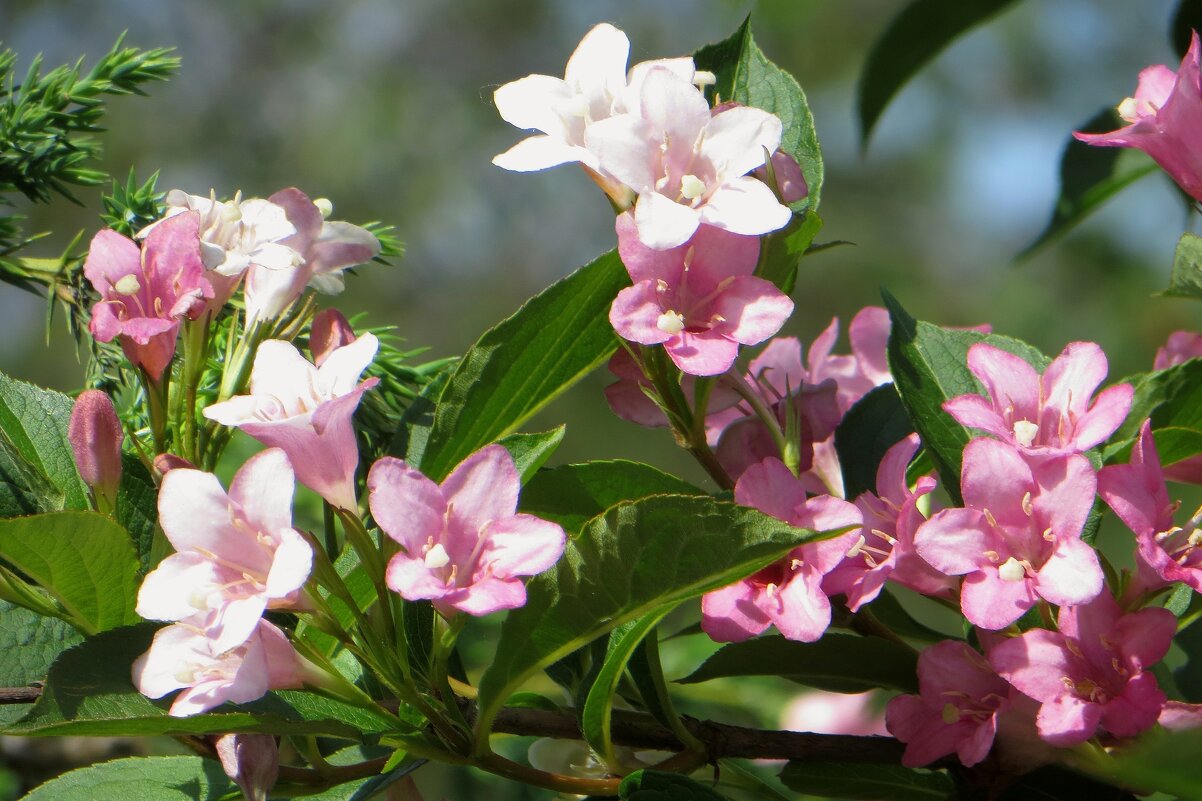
166	462
790	181
95	436
251	760
328	332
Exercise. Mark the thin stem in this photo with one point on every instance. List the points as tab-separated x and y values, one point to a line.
156	402
766	415
551	781
331	535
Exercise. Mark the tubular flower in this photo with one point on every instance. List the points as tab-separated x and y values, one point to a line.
687	165
1092	672
306	411
956	711
464	543
237	554
699	300
144	294
787	594
1165	117
1044	415
1018	537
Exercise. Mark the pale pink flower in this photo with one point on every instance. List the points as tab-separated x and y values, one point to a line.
788	593
251	760
144	294
306	411
322	249
1018	536
1092	673
95	435
1165	117
866	367
699	300
328	332
237	554
1138	495
884	549
464	543
1044	415
182	656
1180	347
627	396
790	181
689	166
825	712
957	710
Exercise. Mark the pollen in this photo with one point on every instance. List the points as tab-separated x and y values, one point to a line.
692	187
436	557
127	285
950	714
1025	432
1011	570
670	322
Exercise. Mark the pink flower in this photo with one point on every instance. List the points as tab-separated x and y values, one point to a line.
884	549
687	165
866	367
1138	495
1180	348
627	396
825	712
957	709
95	435
306	411
790	181
328	332
1165	119
236	555
1091	673
322	250
1043	415
464	543
787	594
144	294
699	300
1018	537
182	656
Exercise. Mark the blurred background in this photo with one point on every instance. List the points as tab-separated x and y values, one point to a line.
385	107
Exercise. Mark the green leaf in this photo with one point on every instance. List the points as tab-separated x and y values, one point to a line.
648	676
1162	761
89	692
1186	279
840	663
875	424
138	507
914	37
653	785
929	366
531	451
745	75
24	489
83	559
418	420
1089	176
35	421
861	781
524	362
635	558
595	717
781	251
1189	675
29	643
170	778
1186	19
889	611
1170	398
573	494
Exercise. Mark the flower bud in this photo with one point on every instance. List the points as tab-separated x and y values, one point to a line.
165	462
95	435
251	760
328	332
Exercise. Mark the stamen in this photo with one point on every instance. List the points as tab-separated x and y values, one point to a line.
1028	506
1012	570
436	557
670	322
127	285
1025	432
950	714
703	78
691	187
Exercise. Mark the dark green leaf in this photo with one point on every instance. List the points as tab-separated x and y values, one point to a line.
573	494
746	76
83	559
1186	20
869	429
652	785
29	643
839	663
418	420
889	611
635	558
1054	783
1189	675
1170	398
418	619
782	251
531	451
524	362
35	421
648	676
1186	279
1165	762
1089	176
914	37
595	716
860	781
24	489
138	507
929	366
170	778
90	692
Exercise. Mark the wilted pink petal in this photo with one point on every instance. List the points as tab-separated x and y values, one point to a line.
464	543
95	435
328	332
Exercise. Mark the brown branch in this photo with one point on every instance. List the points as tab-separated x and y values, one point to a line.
19	695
